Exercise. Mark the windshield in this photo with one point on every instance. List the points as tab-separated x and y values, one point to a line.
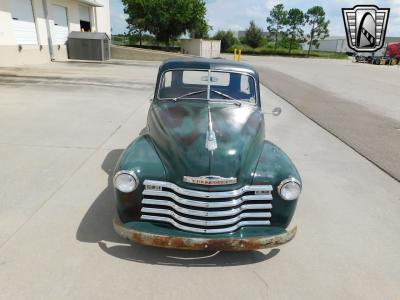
215	85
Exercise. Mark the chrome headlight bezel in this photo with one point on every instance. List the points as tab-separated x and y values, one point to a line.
134	178
285	183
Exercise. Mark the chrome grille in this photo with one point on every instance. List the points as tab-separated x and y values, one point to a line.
206	212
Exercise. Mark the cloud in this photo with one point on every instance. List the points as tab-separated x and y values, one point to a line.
236	15
255	12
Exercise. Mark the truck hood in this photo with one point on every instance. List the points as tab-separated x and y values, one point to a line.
179	132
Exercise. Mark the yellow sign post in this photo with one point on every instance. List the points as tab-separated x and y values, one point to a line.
240	54
234	54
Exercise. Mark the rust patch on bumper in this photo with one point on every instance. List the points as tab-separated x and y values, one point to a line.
212	244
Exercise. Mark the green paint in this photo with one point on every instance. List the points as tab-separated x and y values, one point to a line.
173	146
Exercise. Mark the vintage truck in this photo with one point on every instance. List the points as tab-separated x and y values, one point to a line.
201	176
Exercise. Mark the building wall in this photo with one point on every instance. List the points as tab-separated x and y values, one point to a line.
103	14
6	30
191	46
202	48
340	45
13	54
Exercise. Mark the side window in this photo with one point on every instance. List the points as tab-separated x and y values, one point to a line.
167	80
245	84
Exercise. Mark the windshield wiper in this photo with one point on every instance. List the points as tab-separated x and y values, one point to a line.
235	101
190	94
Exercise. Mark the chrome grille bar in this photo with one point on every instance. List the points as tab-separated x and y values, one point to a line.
196	203
205	230
206	212
203	213
186	220
208	195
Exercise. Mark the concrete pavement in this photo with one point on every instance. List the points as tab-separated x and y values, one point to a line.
358	103
59	143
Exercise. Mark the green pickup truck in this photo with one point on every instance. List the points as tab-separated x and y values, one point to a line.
201	175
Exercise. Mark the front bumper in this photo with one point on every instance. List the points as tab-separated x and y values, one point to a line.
244	240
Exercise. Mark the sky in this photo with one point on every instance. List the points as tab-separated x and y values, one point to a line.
236	14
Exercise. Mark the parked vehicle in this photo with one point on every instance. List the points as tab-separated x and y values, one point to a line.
390	56
201	175
363	57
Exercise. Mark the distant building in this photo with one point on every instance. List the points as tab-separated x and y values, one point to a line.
339	44
201	48
35	31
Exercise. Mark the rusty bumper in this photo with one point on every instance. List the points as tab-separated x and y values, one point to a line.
196	243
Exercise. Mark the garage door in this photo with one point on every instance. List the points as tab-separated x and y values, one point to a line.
23	22
84	16
60	24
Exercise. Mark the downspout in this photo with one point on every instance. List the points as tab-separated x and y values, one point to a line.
49	38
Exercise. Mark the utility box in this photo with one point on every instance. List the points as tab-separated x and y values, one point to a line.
88	46
201	48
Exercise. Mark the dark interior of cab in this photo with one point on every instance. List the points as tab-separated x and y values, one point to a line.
176	87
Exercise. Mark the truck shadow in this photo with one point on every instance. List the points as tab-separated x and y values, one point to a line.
96	227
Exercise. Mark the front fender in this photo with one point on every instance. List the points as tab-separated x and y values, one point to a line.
273	167
140	157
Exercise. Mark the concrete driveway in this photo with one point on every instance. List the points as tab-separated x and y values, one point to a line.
359	103
59	140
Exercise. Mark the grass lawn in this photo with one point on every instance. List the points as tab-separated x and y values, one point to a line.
285	52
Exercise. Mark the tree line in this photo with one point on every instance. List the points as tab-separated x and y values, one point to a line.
167	20
283	25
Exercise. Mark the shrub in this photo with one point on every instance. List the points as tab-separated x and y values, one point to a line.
227	39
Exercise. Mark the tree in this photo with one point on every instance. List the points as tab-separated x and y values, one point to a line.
227	38
200	30
276	21
137	27
253	35
295	21
166	19
315	17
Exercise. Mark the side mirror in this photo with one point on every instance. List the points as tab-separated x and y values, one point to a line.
276	111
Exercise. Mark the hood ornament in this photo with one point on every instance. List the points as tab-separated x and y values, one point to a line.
211	138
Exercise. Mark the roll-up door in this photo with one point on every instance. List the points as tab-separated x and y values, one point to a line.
60	24
23	22
84	16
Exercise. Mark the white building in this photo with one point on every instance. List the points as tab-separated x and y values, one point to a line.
339	44
331	44
202	48
35	31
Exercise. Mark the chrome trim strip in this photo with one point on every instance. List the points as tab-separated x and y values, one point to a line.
201	230
195	203
204	222
202	213
209	195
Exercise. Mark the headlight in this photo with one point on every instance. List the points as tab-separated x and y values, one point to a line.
289	189
126	181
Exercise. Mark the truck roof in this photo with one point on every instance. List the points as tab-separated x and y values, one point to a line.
208	64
